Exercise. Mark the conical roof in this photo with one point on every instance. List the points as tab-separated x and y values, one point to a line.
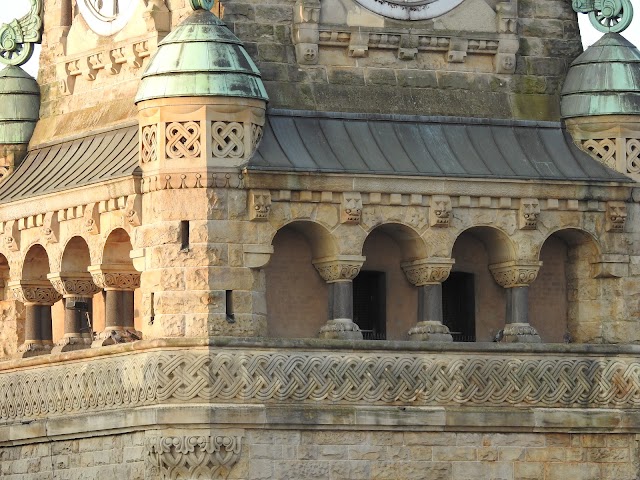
604	80
19	105
201	57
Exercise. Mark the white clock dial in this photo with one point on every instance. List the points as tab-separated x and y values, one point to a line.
410	9
106	17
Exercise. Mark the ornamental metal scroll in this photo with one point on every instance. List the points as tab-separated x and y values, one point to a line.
606	15
18	37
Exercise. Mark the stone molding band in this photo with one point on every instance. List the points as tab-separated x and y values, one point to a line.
178	377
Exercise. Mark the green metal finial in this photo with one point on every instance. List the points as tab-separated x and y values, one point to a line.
202	4
607	16
18	36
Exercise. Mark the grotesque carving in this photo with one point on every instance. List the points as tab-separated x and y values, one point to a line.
92	219
616	216
351	209
11	236
259	205
440	211
133	209
50	228
529	213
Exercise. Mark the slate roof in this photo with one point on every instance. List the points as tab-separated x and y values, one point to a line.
75	163
340	143
425	146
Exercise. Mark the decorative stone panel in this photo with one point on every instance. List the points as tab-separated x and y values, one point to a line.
194	456
33	292
183	140
113	277
73	284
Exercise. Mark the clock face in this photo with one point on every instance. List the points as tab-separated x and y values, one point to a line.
106	17
410	9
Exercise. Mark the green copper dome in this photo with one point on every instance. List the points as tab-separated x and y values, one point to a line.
201	57
604	80
19	105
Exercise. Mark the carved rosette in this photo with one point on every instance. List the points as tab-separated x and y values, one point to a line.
113	279
512	274
33	292
178	457
339	268
428	271
73	285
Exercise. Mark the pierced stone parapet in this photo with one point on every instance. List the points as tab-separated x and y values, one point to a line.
340	267
194	456
511	274
427	271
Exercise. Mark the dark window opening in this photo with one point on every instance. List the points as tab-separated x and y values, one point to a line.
369	304
458	306
184	234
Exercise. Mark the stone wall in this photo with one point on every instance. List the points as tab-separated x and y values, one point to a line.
341	455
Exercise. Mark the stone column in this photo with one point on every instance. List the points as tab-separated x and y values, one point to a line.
37	296
516	278
427	275
77	290
119	286
339	272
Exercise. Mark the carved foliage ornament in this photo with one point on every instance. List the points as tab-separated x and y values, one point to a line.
344	267
183	457
510	274
426	272
18	37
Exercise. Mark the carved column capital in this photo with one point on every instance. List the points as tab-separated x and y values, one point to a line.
515	273
340	267
76	284
34	292
206	456
114	277
428	271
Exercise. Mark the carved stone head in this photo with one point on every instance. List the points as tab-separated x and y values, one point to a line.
440	211
616	216
351	209
259	205
529	213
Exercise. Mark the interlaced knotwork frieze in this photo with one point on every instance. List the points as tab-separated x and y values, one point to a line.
183	140
227	139
604	150
345	378
633	155
149	144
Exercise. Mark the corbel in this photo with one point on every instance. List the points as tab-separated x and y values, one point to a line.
507	17
505	59
529	213
358	44
457	50
51	228
259	205
157	16
616	216
87	67
12	235
92	219
440	211
351	208
133	210
305	31
408	49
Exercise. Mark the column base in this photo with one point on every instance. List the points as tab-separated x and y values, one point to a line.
69	344
113	336
430	331
520	333
32	348
340	329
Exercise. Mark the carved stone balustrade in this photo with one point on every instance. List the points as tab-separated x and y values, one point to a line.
427	275
339	272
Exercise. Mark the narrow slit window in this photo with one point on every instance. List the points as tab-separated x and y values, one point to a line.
184	234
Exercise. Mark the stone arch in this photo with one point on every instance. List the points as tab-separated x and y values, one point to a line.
297	296
564	304
117	248
35	264
472	285
5	275
76	256
385	302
